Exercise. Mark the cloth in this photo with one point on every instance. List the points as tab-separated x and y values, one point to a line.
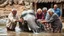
58	12
40	16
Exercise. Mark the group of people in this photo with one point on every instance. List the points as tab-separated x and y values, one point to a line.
36	22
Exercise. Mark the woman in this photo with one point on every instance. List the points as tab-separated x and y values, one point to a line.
39	14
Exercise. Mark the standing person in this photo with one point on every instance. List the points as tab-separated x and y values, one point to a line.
56	23
12	20
57	10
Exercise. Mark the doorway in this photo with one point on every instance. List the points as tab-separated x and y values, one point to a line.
41	5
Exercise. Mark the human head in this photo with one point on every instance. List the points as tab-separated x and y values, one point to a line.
55	6
39	11
14	12
44	9
50	11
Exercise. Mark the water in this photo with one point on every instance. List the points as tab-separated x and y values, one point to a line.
3	21
4	32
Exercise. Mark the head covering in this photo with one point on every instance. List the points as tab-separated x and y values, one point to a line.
50	10
44	8
14	9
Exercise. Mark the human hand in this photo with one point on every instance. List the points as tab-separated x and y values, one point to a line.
44	21
39	20
21	20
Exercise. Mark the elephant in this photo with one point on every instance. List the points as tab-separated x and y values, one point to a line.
29	17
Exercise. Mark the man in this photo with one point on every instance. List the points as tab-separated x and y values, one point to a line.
56	23
12	20
47	17
46	25
44	12
57	10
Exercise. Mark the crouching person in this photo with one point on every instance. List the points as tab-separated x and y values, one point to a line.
12	20
56	23
23	25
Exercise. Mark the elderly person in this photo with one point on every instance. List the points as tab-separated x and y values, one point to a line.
57	10
39	14
12	20
44	11
56	23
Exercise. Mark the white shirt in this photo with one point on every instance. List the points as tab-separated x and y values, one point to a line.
11	20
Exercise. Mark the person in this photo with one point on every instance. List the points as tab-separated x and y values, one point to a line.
56	23
12	20
44	12
46	25
47	17
57	10
23	25
39	15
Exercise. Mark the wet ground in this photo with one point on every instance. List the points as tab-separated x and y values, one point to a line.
4	32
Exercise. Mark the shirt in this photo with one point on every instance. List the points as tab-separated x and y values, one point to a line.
40	16
55	21
47	17
11	20
58	12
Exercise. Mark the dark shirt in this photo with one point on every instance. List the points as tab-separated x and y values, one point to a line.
40	16
55	21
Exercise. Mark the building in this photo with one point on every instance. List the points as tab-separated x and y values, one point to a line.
35	4
47	3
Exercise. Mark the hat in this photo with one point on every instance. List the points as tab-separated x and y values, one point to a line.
14	9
